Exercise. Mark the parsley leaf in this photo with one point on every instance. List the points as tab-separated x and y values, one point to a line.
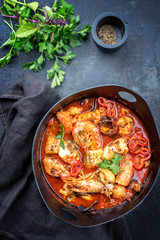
6	9
55	69
36	65
62	144
117	158
57	74
4	60
69	55
42	46
73	42
28	46
11	2
113	165
58	78
60	136
84	32
24	11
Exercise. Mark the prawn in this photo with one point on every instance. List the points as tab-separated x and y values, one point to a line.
65	117
87	135
126	167
55	168
93	116
87	184
90	183
65	120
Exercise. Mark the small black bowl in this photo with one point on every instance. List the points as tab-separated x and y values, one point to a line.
119	25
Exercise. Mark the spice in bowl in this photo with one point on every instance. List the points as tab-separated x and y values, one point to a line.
107	34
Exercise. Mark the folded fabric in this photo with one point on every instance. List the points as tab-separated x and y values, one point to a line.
23	214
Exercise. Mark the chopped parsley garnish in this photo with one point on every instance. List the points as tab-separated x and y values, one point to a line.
60	136
113	165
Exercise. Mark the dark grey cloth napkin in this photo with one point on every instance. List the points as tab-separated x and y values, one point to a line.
23	214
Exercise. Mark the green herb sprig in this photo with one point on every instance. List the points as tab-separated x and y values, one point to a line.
113	165
60	136
50	30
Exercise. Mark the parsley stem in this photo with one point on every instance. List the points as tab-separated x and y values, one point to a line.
11	26
39	9
54	5
57	58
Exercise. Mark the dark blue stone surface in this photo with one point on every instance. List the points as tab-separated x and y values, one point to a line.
136	66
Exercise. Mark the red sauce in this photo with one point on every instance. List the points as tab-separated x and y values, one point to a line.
103	201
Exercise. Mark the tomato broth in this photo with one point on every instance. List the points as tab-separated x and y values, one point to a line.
90	105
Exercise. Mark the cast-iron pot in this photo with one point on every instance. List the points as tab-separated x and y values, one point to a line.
70	213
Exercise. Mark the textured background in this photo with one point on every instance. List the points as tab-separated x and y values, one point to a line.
136	66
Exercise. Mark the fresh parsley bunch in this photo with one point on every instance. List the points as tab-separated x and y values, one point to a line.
50	30
113	165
